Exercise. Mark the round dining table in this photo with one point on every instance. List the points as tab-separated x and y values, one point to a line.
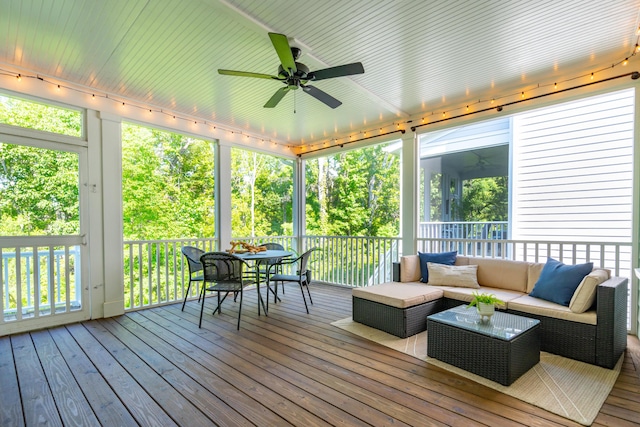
257	257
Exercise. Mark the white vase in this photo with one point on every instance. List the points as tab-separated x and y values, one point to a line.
485	310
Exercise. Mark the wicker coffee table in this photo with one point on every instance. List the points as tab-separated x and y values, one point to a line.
501	349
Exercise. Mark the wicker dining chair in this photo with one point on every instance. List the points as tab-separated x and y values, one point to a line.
223	273
192	254
302	276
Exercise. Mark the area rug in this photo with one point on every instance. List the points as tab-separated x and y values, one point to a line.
566	387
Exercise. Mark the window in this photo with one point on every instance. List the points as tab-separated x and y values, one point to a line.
261	194
355	193
33	115
167	185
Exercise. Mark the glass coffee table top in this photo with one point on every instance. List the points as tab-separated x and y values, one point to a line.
503	326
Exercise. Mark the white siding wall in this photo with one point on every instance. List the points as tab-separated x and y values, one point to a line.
573	170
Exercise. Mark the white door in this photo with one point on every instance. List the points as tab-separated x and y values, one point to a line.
43	233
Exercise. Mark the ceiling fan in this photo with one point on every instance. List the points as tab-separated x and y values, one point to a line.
296	75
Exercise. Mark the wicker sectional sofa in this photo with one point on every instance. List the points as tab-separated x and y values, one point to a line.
597	336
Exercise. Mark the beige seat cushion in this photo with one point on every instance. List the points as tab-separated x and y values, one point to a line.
527	304
397	294
465	294
410	268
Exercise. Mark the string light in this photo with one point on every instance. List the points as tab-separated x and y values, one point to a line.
624	62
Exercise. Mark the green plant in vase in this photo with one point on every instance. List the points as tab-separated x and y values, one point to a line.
485	304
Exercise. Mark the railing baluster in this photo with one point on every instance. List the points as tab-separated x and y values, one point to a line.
67	280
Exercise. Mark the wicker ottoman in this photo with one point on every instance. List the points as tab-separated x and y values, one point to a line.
501	349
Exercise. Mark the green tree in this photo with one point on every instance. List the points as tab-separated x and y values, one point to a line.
167	185
485	199
261	194
39	188
356	193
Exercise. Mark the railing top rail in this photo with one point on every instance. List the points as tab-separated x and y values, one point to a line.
463	222
181	240
20	241
532	242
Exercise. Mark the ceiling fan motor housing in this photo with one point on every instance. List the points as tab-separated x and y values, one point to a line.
299	76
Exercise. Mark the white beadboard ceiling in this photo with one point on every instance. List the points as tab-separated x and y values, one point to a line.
418	56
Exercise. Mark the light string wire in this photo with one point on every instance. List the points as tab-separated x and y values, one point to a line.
120	101
366	134
494	102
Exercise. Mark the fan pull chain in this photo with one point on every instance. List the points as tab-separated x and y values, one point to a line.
294	102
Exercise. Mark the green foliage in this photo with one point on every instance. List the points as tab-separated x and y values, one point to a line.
167	185
38	187
485	199
261	194
485	299
31	115
38	191
356	193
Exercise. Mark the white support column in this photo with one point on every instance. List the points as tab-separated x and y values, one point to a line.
409	194
299	203
112	214
635	223
223	194
95	215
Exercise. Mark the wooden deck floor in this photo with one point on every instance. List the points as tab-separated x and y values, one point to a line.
155	367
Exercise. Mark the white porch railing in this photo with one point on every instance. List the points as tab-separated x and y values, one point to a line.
464	230
156	272
615	256
353	260
39	279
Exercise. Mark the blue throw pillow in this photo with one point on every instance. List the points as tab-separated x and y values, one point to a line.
446	258
558	282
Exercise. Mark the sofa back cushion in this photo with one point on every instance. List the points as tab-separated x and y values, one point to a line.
410	268
535	268
501	273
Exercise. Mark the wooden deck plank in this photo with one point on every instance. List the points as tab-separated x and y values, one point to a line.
281	333
10	405
142	406
156	367
70	401
105	403
37	401
168	361
173	403
287	385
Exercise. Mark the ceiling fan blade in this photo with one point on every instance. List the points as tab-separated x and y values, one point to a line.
339	71
281	45
322	96
275	99
247	74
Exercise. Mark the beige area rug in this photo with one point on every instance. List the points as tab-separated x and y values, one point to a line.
566	387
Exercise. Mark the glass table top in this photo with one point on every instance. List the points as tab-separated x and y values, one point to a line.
503	326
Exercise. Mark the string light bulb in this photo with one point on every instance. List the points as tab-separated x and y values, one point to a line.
523	94
625	62
591	76
19	77
555	85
